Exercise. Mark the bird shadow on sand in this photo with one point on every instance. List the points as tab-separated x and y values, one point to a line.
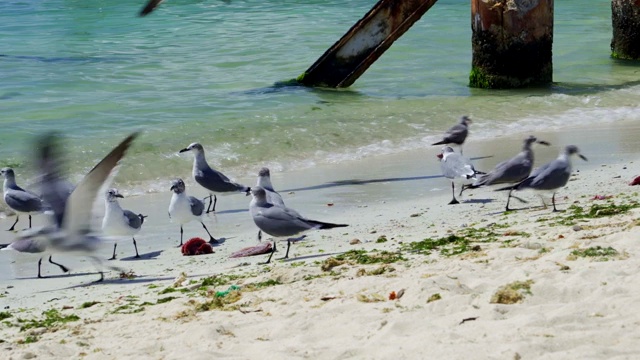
477	201
351	182
231	211
307	257
59	276
141	279
146	256
220	242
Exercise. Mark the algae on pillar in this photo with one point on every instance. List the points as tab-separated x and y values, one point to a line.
625	18
512	43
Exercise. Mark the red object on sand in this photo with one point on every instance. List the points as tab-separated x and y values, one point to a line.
262	248
196	246
635	181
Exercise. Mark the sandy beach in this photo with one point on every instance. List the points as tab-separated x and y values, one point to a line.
411	277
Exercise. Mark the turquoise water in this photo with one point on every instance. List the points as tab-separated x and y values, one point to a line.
205	71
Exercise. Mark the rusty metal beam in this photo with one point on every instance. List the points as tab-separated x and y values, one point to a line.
343	63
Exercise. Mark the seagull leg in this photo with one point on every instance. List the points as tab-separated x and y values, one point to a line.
14	224
259	235
209	206
113	257
62	267
453	193
508	199
553	201
135	245
286	256
211	239
29	221
39	264
270	255
181	232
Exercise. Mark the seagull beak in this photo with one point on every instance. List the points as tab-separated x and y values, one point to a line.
119	196
542	142
583	157
439	156
184	150
172	187
248	191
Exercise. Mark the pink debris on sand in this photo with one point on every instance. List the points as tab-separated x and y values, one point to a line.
635	181
602	197
262	248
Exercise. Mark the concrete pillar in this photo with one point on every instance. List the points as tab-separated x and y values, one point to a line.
625	18
512	41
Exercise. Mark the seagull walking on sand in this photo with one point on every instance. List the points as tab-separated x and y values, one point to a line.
273	197
513	170
551	176
458	169
119	222
71	230
457	134
184	208
211	179
281	221
19	199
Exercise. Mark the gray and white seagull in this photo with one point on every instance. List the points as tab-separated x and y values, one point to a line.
457	134
184	208
19	199
458	169
211	179
281	221
120	222
71	230
550	176
513	170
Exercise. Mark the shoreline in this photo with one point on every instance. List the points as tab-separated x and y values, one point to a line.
400	196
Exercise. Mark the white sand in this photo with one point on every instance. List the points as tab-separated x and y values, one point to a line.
577	308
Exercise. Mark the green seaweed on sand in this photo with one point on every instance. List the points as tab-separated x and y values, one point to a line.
597	252
512	293
51	318
362	257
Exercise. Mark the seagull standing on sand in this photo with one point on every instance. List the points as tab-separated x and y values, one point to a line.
72	212
550	176
119	222
273	197
210	179
184	208
33	247
458	169
18	199
513	170
457	134
281	221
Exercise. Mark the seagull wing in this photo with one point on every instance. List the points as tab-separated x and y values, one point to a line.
77	215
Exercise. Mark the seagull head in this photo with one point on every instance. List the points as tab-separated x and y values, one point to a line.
177	186
465	120
194	146
264	178
446	150
7	172
572	149
113	195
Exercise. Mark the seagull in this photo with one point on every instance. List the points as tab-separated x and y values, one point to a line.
457	168
281	221
457	133
550	176
70	233
184	208
264	181
119	222
211	179
273	197
19	199
513	170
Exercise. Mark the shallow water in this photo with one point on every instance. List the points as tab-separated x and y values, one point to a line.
205	71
